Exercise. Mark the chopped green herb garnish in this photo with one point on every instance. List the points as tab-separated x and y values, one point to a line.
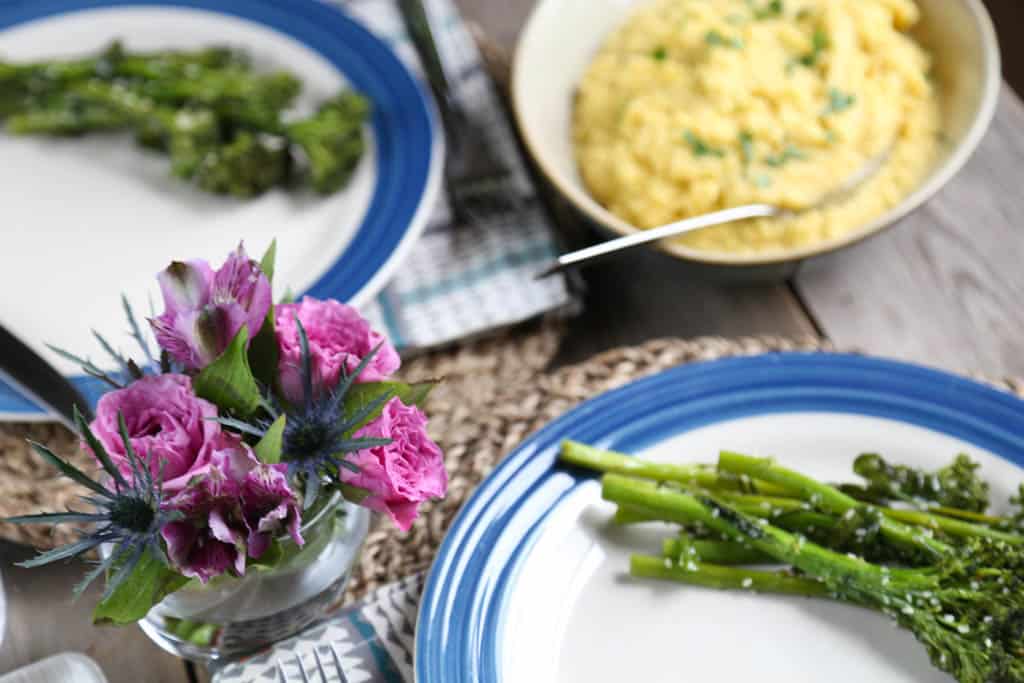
736	19
716	39
838	101
747	147
701	148
791	153
772	10
761	180
819	43
659	53
803	14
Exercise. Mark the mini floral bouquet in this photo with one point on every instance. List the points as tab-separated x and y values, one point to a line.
251	416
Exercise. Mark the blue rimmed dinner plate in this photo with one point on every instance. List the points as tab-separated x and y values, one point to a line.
87	219
530	583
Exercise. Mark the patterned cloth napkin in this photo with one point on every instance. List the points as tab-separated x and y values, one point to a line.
373	638
464	280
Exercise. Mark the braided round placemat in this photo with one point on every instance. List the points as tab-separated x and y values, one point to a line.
494	394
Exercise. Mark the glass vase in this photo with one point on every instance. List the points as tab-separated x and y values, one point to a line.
230	617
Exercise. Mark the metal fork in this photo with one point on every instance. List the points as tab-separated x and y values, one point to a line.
478	184
305	675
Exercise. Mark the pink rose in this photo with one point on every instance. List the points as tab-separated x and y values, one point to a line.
338	338
404	473
204	310
167	425
232	509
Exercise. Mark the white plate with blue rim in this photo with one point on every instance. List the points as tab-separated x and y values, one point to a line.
87	219
531	582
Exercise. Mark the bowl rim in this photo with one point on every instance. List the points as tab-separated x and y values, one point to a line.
582	200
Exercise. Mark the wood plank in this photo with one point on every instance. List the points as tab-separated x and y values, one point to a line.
42	620
946	287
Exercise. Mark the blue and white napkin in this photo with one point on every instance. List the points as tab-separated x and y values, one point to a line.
374	640
465	281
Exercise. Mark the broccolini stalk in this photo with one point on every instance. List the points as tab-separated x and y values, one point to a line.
827	498
708	575
247	166
63	115
704	476
332	140
968	610
726	553
114	61
956	485
770	506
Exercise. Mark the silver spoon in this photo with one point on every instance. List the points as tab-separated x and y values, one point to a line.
738	213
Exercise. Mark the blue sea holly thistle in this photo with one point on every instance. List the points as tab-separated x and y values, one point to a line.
127	514
315	435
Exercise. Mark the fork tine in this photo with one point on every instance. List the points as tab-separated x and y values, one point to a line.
302	668
281	677
342	678
319	664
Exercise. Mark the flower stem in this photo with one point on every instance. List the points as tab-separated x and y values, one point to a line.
725	578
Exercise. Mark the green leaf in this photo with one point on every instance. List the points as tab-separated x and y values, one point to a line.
267	262
353	494
361	395
228	381
263	352
149	583
268	450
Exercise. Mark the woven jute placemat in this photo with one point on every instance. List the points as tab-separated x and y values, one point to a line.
494	394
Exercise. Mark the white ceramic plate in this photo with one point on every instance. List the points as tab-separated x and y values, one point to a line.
531	582
84	220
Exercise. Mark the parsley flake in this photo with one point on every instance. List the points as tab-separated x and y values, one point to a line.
716	39
838	101
700	147
791	153
660	53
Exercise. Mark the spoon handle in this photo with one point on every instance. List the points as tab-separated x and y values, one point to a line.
618	244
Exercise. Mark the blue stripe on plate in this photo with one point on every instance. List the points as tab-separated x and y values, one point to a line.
402	122
462	607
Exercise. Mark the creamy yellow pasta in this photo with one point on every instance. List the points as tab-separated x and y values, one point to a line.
699	105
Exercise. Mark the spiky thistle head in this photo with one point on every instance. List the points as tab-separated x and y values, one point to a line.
128	512
319	431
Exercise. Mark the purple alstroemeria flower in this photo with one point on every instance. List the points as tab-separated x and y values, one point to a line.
234	508
210	540
204	309
269	507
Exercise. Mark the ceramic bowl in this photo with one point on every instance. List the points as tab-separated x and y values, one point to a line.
562	36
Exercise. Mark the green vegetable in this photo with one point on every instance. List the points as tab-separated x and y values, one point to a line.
772	10
220	123
698	573
701	148
716	39
332	140
957	485
838	101
819	43
659	53
746	147
790	153
967	609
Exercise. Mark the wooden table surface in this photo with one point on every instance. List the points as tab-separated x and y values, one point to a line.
945	288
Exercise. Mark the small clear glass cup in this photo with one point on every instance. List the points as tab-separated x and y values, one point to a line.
230	616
